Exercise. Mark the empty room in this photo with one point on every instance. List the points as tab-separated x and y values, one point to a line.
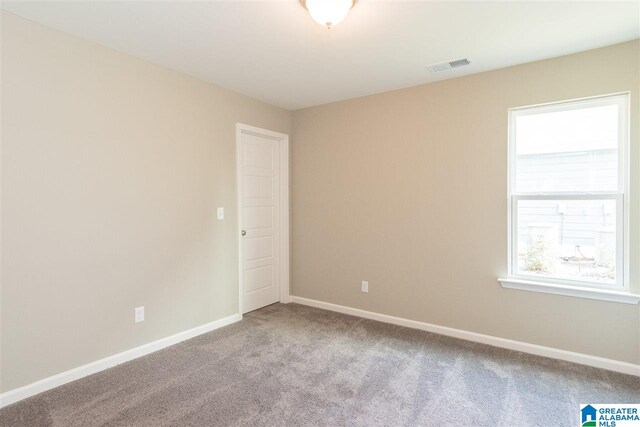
320	213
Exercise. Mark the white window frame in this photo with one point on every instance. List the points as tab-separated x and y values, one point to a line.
618	292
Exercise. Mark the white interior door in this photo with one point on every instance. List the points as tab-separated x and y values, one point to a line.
260	219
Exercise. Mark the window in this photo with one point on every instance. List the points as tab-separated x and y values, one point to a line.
568	188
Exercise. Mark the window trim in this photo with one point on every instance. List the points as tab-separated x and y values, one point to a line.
571	291
621	195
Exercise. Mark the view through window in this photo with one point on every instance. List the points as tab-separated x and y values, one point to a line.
567	189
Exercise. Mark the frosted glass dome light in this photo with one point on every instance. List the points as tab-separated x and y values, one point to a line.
328	12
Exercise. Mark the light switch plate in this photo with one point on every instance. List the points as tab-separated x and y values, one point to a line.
139	314
365	286
220	213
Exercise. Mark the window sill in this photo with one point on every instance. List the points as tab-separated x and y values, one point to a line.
571	291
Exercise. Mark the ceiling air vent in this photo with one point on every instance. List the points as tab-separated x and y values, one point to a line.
443	66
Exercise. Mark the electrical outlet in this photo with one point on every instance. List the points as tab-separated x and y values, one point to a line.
139	314
365	286
220	213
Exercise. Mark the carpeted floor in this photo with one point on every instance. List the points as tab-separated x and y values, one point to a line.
295	365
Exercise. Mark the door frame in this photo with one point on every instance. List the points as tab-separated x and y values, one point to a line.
283	142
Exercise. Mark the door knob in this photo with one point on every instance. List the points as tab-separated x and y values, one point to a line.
244	232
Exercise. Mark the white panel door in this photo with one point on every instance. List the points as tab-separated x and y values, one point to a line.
259	220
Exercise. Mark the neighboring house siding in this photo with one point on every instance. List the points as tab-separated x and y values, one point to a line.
578	222
567	170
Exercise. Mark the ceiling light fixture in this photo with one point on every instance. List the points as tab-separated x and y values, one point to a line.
328	12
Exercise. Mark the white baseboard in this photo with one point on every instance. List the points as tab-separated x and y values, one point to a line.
12	396
29	390
538	350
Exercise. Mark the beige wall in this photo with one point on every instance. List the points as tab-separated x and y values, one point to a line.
112	169
407	190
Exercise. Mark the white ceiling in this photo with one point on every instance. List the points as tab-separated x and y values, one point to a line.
275	52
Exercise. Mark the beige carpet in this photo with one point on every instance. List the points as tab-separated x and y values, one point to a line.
295	365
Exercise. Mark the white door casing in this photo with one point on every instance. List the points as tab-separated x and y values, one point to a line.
263	211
